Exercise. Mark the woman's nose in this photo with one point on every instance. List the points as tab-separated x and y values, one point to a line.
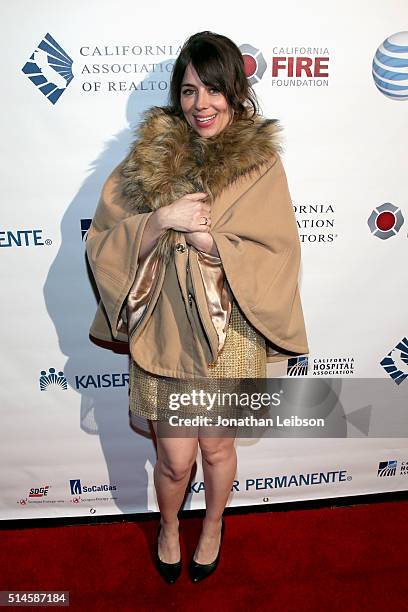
202	100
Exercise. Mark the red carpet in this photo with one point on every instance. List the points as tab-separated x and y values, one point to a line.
332	559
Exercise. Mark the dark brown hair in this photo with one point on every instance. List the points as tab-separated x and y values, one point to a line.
219	63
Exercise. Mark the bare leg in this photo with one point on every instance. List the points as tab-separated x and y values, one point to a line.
175	458
219	468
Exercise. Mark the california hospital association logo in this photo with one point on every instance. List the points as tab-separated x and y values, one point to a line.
390	67
49	69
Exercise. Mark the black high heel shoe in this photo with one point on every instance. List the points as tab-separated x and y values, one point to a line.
168	571
199	571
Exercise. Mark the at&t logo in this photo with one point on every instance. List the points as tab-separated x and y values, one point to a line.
390	67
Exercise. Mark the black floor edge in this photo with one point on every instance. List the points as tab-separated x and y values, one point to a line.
310	504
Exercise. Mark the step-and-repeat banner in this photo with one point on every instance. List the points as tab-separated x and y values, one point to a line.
77	77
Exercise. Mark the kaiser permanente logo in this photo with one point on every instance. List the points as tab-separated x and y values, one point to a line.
52	379
396	362
49	69
23	238
284	481
82	381
101	381
289	66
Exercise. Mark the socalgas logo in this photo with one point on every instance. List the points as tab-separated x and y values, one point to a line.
290	66
390	66
396	362
77	488
23	238
49	69
385	221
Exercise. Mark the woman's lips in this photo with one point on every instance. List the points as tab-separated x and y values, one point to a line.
204	124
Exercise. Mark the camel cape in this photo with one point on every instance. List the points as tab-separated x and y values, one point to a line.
167	321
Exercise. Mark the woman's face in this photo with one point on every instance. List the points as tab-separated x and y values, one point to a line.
205	108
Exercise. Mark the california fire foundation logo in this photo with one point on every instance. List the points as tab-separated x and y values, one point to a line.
49	68
254	62
385	221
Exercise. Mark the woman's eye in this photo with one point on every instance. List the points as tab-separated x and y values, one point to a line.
186	92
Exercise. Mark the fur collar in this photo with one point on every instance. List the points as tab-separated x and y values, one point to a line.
169	159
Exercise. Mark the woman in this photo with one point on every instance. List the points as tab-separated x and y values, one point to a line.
195	252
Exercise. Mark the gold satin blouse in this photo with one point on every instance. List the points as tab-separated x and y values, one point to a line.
241	348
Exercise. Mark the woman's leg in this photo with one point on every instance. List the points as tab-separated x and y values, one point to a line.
175	458
219	467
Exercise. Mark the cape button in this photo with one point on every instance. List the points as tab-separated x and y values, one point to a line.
180	247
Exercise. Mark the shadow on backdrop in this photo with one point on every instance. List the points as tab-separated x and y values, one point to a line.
71	303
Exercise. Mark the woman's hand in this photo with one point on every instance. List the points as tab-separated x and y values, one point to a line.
188	214
185	215
202	242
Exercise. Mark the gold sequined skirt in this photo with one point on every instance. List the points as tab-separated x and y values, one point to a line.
243	356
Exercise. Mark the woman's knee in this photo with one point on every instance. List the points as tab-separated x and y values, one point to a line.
215	451
176	468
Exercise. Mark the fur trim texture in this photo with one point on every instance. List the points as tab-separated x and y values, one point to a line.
169	159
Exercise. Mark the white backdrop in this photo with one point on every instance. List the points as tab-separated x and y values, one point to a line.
67	447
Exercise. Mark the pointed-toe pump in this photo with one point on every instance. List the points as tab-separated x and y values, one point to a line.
199	571
168	571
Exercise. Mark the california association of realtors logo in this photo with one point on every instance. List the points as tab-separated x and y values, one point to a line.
396	362
52	378
49	68
390	67
385	221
